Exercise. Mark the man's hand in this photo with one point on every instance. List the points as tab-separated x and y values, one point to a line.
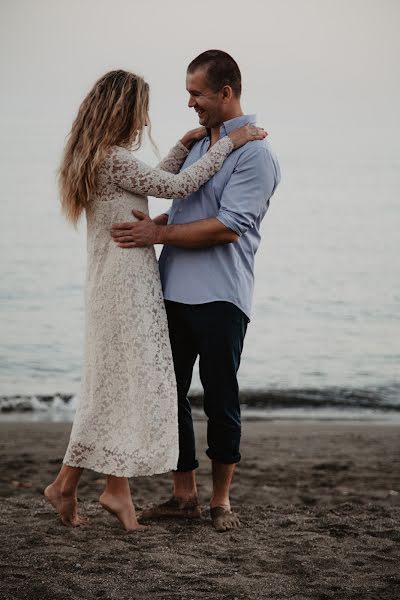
136	234
145	232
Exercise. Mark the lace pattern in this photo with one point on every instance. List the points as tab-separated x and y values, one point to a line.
174	159
126	420
136	177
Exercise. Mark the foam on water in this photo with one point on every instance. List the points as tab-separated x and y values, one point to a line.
303	404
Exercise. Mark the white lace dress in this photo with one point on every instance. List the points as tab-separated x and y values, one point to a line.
126	420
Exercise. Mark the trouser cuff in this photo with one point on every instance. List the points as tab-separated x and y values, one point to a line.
224	459
182	467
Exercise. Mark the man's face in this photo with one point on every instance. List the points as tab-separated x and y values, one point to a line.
208	105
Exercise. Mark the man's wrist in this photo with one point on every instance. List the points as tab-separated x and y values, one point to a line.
159	235
161	219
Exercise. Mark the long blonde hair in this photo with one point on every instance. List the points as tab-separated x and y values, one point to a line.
114	112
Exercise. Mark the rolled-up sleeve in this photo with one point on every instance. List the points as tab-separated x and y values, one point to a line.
249	189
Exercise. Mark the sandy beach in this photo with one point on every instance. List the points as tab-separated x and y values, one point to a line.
320	510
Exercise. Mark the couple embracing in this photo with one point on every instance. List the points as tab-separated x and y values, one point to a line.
146	323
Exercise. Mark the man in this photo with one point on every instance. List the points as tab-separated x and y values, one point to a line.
207	271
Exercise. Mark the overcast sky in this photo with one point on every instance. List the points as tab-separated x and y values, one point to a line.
323	77
309	65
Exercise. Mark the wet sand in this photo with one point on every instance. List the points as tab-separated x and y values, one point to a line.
319	502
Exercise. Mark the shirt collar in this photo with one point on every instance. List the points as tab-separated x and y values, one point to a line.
232	124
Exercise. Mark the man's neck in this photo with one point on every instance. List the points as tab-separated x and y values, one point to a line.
215	131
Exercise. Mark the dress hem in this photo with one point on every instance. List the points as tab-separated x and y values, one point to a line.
92	467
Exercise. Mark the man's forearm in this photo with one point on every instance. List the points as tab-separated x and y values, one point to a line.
161	219
199	234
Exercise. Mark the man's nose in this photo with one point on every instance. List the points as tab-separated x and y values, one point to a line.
192	102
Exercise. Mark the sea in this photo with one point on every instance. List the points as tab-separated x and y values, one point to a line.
324	337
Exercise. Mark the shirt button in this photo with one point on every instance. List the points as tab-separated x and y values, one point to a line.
179	210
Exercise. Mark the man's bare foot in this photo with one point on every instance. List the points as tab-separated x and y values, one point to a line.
66	505
223	519
174	508
123	509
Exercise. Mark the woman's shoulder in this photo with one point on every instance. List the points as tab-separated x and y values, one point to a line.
117	163
115	158
118	153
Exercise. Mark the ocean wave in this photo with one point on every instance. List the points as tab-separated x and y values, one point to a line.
380	399
38	403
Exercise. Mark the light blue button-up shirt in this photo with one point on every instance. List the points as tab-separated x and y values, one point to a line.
238	196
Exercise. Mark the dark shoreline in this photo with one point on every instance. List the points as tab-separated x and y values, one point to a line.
381	399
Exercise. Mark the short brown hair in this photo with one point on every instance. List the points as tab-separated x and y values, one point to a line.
221	70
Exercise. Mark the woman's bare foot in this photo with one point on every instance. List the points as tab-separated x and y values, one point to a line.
53	495
122	507
65	504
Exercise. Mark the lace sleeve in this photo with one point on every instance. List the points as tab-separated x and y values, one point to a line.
174	159
135	176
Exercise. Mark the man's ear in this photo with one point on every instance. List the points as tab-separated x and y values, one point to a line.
227	93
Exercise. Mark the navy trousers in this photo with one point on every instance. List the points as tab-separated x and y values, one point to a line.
215	332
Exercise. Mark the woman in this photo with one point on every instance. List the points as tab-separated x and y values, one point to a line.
126	421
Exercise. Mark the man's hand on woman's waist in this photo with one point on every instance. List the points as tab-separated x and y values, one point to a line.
146	232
